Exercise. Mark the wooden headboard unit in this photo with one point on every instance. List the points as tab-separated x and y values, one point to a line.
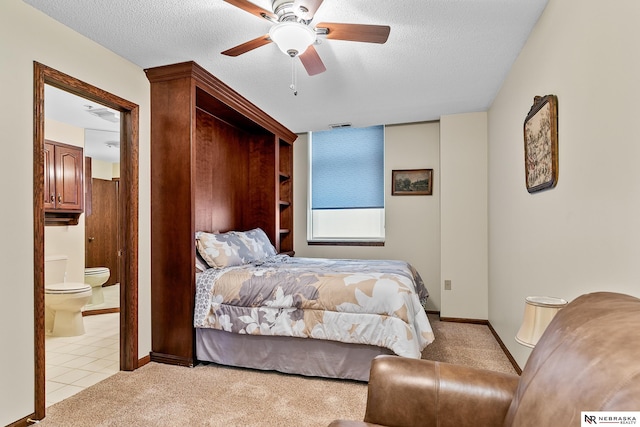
218	163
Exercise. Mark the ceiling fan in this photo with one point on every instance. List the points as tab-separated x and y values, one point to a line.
295	36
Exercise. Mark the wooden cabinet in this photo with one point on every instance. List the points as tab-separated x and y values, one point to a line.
63	183
218	163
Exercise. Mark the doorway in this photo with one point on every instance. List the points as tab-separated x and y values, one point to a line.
127	229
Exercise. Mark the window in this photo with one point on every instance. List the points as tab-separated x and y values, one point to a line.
346	185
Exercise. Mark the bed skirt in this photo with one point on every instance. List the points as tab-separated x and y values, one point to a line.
291	355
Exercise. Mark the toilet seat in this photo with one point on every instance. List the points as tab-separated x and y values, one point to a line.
95	270
66	288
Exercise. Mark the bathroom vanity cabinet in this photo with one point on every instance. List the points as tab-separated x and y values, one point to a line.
63	183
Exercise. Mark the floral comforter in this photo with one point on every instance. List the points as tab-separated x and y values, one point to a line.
371	302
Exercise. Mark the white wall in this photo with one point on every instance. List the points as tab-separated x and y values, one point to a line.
69	239
583	235
412	222
27	35
463	200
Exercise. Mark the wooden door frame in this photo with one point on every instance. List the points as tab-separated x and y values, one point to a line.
127	229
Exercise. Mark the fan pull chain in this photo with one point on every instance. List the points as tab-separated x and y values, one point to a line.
294	77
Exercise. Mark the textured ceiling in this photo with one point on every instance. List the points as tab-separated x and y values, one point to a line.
442	56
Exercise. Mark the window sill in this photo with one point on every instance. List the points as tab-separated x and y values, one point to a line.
344	243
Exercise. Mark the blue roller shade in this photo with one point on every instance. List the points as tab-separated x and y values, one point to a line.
347	168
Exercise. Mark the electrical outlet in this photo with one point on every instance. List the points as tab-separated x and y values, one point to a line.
447	285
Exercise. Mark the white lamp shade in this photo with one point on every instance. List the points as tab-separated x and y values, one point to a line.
293	38
538	313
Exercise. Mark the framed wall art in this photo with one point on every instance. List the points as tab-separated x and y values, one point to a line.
541	144
412	182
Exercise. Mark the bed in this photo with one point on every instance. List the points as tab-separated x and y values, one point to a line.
311	316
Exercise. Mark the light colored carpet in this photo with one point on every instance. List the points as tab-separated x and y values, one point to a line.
466	344
212	395
209	395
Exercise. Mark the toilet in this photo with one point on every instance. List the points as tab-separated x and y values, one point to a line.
63	301
96	277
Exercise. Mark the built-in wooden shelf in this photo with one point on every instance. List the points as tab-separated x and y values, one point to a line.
61	218
225	165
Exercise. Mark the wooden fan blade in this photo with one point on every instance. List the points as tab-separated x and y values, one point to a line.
305	9
356	32
312	62
247	46
253	9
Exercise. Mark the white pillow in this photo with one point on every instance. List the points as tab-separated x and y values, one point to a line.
201	264
258	244
221	250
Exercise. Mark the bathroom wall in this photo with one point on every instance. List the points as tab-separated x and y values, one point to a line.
69	239
104	170
115	170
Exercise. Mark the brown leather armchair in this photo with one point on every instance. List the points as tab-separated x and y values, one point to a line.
588	359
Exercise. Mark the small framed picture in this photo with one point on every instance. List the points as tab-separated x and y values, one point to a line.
412	182
541	144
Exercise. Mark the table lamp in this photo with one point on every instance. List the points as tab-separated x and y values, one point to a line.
538	312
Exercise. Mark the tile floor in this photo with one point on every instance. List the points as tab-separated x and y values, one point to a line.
111	298
75	363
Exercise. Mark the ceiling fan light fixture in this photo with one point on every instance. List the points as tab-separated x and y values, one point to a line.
292	38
